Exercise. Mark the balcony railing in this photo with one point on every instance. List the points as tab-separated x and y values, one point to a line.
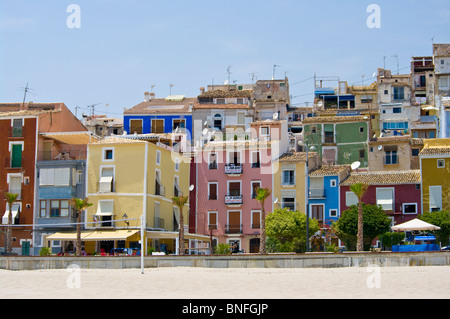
316	193
233	228
233	169
159	222
15	162
233	199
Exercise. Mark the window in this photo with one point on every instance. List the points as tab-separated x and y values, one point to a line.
157	126
317	212
255	160
397	110
220	101
212	161
255	186
135	126
288	202
177	164
313	129
386	92
415	152
391	156
212	191
54	176
333	212
288	177
178	123
264	131
333	183
106	184
158	157
366	98
350	199
176	187
241	118
15	210
440	163
395	125
409	208
17	127
399	93
239	101
362	154
15	185
218	121
435	198
104	214
212	220
59	208
361	129
108	154
42	208
385	198
256	219
234	158
159	188
234	188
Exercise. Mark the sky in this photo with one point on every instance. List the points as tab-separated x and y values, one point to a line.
123	48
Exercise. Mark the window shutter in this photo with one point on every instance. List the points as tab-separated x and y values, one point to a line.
385	198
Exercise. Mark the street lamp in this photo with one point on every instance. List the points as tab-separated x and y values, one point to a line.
312	148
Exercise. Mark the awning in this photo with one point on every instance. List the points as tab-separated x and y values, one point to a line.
415	224
174	235
15	211
74	138
96	235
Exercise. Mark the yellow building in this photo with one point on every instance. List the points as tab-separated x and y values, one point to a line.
127	179
289	180
435	170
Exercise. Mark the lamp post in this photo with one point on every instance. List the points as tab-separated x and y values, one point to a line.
312	148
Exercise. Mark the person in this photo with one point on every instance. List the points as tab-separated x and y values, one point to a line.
235	247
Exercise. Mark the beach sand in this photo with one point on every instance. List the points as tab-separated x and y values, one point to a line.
231	283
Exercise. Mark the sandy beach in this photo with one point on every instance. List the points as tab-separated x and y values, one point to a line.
242	283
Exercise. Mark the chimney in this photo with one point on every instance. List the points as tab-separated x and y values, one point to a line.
202	89
146	96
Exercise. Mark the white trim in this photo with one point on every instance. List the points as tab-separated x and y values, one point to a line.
439	161
331	209
217	190
234	181
393	196
104	149
251	217
251	186
403	208
16	143
429	196
142	125
333	181
347	198
317	204
217	218
157	119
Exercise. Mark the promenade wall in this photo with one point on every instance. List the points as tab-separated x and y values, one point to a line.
310	260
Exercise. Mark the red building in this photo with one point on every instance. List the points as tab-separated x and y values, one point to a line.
21	145
398	192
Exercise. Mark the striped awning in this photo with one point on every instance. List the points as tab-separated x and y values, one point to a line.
97	235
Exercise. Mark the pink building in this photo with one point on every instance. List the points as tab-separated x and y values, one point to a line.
228	174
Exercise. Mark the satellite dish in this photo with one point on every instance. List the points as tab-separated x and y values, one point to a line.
355	165
275	200
205	131
191	188
374	74
320	103
275	116
380	147
205	123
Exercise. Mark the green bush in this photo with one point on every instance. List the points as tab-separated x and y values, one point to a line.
222	249
390	239
45	251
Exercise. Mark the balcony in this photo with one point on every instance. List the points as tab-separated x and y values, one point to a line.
231	169
233	229
159	222
15	162
316	193
233	200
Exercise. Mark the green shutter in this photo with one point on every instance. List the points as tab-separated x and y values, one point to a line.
16	157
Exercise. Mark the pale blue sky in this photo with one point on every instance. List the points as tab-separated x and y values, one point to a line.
123	47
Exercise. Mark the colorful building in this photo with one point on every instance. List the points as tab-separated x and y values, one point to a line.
435	171
339	140
398	193
323	195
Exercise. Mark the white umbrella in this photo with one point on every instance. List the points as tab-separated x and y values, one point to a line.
415	224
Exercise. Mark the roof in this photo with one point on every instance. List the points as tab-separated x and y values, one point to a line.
73	138
117	140
162	106
24	113
296	156
390	139
435	150
384	178
330	170
225	94
335	119
199	106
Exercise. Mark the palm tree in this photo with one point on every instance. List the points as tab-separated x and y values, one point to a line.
180	201
10	199
359	189
79	205
261	196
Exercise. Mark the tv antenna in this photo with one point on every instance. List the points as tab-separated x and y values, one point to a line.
273	73
398	69
26	90
229	73
92	108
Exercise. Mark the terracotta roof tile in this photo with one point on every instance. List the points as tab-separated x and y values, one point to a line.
162	106
335	119
296	156
384	178
330	170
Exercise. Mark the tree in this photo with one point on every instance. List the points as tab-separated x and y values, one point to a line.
80	205
376	223
10	199
261	196
441	219
360	189
286	230
180	202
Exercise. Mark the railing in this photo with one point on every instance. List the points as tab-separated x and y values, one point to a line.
14	163
233	228
316	192
212	165
233	199
233	169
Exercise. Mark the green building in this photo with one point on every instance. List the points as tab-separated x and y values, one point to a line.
338	139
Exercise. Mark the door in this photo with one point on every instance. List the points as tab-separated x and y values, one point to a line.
16	156
254	245
25	248
234	222
317	212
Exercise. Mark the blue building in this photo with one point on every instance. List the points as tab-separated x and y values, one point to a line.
157	115
323	195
